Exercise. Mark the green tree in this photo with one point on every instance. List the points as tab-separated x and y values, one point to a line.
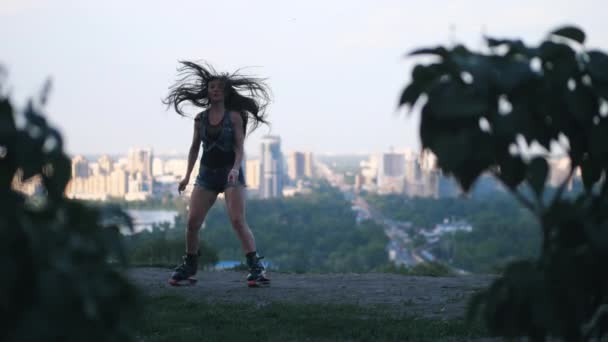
308	233
504	111
61	278
163	246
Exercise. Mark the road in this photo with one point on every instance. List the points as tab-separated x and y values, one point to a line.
400	247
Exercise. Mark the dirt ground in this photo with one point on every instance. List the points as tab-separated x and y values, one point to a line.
432	297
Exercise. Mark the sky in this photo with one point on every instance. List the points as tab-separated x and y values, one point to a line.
336	68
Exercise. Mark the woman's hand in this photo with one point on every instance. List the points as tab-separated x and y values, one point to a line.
183	184
233	176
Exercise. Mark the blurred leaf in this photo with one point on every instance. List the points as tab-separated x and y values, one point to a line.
515	46
425	74
478	66
56	136
510	304
601	90
7	137
473	157
438	51
29	156
410	94
578	144
428	128
551	51
45	91
597	140
571	32
591	172
59	284
7	122
450	100
511	74
598	66
597	237
512	171
62	172
538	170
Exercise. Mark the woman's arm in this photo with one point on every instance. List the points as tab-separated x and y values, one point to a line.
193	153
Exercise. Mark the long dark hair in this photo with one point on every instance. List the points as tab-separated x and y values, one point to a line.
247	95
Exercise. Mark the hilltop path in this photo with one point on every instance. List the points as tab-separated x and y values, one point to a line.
432	297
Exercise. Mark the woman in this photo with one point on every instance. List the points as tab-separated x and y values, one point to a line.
221	129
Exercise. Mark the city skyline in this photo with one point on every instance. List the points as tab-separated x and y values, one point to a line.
141	175
336	68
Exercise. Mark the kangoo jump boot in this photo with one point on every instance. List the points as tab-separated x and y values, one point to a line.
257	274
184	273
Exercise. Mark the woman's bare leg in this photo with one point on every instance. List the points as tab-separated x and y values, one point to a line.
235	204
201	201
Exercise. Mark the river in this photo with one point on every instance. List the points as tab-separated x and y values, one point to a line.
144	219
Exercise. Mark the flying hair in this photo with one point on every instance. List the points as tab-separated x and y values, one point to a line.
247	95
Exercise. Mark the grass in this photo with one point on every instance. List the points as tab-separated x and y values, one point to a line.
173	318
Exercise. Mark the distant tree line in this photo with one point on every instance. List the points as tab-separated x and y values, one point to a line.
306	233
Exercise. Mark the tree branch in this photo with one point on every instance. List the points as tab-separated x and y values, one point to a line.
604	190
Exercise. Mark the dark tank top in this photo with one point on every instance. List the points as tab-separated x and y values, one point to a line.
218	142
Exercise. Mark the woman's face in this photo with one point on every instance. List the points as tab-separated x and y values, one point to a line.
216	91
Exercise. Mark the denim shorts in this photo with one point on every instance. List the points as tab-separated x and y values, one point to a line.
216	180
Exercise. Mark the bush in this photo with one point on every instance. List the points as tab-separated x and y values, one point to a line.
61	278
503	112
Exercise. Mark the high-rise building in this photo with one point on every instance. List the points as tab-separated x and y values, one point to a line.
119	181
391	172
140	160
309	165
252	173
178	167
413	171
421	176
122	163
296	165
139	166
129	178
271	167
80	167
392	165
428	160
369	170
158	167
105	164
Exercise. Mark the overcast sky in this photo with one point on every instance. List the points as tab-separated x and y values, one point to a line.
336	68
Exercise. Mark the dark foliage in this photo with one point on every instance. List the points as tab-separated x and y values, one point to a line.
483	112
60	264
